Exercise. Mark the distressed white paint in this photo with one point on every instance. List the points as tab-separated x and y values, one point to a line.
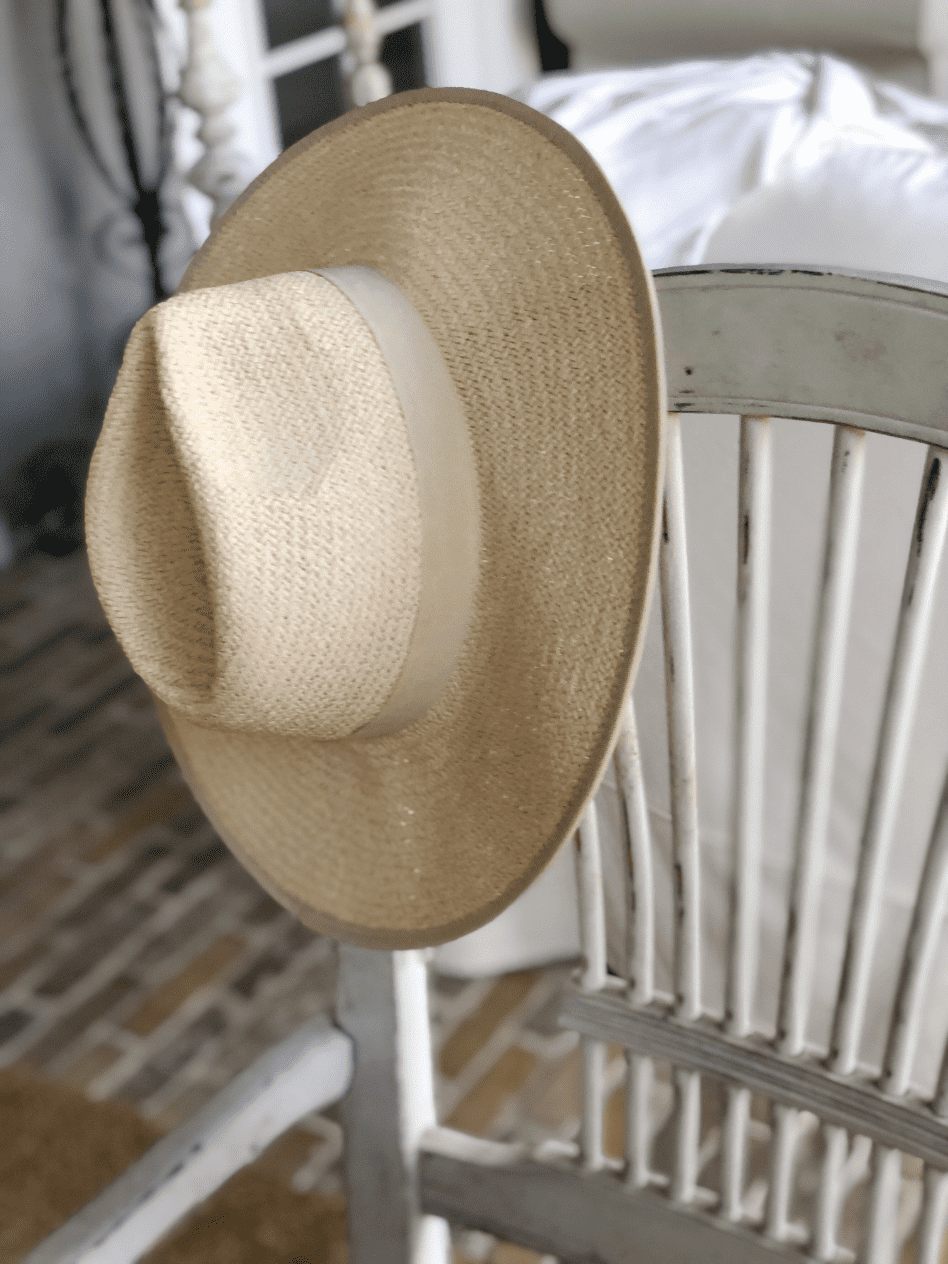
703	1048
753	592
919	958
826	684
640	1072
592	930
911	995
933	1221
641	922
679	687
911	640
826	681
815	344
640	1079
830	1193
578	1217
383	1006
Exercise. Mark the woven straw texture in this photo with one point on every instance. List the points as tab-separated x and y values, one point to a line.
507	240
294	616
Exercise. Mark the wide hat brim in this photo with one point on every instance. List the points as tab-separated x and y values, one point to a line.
509	242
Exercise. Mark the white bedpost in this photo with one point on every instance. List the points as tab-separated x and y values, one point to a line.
933	41
382	1003
209	87
368	80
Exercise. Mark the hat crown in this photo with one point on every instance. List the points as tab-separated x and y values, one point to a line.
252	514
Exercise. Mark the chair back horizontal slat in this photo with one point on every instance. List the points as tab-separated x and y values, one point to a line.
845	1101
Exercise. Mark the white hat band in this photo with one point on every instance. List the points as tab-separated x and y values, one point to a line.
447	492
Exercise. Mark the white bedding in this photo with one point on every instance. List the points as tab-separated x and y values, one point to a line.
694	148
791	159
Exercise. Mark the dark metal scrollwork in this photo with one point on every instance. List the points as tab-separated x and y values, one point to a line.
139	189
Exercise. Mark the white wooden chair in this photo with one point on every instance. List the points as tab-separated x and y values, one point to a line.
758	343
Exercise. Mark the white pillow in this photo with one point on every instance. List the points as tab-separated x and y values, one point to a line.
863	207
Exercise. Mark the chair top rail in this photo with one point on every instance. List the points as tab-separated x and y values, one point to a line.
861	349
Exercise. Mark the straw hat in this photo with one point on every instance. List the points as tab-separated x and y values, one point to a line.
374	510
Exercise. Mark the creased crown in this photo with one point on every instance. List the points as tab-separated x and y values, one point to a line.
252	516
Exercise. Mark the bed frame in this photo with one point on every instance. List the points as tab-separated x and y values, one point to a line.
230	71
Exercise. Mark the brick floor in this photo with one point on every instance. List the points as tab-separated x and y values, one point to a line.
138	961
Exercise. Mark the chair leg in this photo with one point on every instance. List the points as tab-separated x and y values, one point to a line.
382	1003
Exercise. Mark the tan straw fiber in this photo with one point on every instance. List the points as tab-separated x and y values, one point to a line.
374	510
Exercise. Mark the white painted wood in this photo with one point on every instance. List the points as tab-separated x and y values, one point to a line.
592	931
933	41
804	1083
881	1246
679	687
238	31
807	343
592	912
382	1004
591	1123
826	680
911	640
933	1220
684	1182
830	1193
366	78
309	49
237	55
753	592
911	994
826	684
919	958
926	547
358	38
210	87
579	1218
640	1071
488	44
307	1072
783	1153
334	40
640	1078
641	921
734	1152
753	595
